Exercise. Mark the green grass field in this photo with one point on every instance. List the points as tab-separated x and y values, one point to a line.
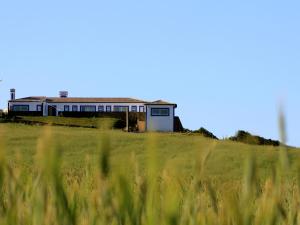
95	176
226	160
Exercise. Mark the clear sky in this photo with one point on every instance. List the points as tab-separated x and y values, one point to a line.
227	64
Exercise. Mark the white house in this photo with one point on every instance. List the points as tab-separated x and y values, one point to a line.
159	114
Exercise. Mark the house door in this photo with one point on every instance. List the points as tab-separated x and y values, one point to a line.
51	110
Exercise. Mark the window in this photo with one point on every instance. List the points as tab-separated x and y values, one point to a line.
100	108
108	108
88	108
75	108
120	108
20	108
39	108
142	109
66	108
133	108
160	112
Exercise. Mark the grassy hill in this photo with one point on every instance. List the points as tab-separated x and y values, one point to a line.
179	151
65	175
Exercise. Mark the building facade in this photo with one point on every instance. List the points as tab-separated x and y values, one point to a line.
159	114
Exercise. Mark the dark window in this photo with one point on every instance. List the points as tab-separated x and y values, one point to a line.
75	108
100	108
20	108
160	112
66	108
142	109
88	108
39	108
120	108
108	108
133	108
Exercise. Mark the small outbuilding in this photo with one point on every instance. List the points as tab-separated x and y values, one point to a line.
160	116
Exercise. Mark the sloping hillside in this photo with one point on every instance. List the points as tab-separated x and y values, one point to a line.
89	176
180	151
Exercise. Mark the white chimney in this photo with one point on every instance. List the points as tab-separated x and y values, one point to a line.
12	94
63	94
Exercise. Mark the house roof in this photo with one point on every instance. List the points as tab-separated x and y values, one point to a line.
78	100
94	100
30	99
160	102
89	100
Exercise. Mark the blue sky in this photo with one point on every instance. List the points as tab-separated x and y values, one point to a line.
227	64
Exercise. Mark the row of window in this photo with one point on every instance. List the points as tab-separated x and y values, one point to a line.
101	108
25	108
154	111
20	108
89	108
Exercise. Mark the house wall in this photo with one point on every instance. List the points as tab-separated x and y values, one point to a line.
32	105
61	106
153	123
160	123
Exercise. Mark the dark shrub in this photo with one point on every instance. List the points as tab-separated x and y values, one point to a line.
29	113
119	124
205	133
246	137
178	125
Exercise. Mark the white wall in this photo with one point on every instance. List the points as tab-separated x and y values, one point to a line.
160	123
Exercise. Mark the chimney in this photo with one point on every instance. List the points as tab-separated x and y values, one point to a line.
12	94
63	94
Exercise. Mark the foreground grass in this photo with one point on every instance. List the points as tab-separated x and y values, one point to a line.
63	175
